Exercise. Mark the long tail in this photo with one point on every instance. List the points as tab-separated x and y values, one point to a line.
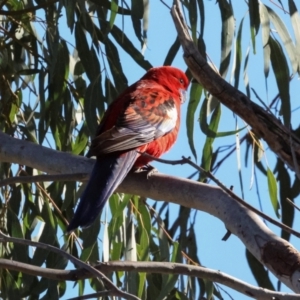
107	174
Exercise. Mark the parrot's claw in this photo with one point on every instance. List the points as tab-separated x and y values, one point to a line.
147	168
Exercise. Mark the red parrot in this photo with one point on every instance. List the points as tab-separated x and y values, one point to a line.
145	118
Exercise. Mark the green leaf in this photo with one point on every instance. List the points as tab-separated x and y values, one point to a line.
169	281
260	274
43	122
272	185
142	284
211	129
145	23
281	71
115	66
127	45
246	78
172	52
143	246
285	38
254	20
144	229
163	240
111	92
238	56
19	252
131	255
295	18
15	199
47	235
227	35
202	17
93	92
192	9
209	288
86	54
113	12
117	205
89	235
13	112
116	250
137	13
265	33
81	140
70	6
285	191
145	218
195	96
105	242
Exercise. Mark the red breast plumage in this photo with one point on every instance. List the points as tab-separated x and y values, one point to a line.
145	118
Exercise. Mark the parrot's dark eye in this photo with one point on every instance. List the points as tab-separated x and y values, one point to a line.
181	80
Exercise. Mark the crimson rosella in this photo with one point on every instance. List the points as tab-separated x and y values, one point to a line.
145	118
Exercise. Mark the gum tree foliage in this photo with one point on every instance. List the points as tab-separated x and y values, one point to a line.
55	86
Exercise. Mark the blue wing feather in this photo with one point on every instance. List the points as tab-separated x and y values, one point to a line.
106	176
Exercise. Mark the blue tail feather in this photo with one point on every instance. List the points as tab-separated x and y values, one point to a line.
107	174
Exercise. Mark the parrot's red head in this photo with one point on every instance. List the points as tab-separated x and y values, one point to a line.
169	77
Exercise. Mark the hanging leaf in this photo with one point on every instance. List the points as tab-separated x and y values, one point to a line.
209	130
272	185
281	71
195	96
259	272
137	13
246	78
113	12
227	35
238	57
172	53
128	46
285	38
295	18
202	16
265	32
193	18
254	20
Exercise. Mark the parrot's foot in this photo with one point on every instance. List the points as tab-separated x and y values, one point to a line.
147	168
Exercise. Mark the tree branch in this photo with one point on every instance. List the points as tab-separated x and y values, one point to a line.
149	267
279	138
44	178
279	256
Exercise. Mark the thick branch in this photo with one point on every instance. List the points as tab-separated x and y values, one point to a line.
275	253
149	267
278	137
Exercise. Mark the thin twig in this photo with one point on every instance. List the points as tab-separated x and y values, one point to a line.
164	3
101	294
43	178
149	267
289	201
